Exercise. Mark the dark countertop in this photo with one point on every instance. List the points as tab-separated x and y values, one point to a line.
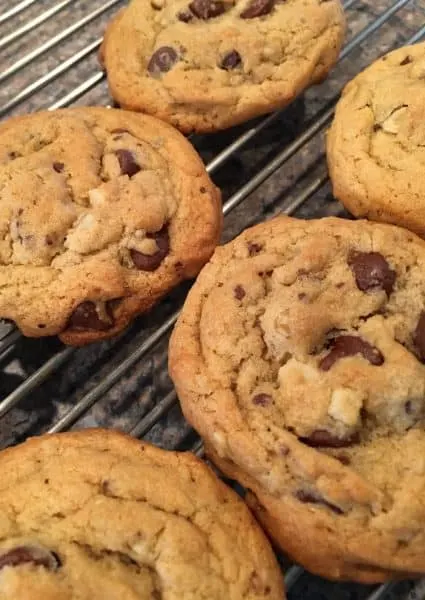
147	383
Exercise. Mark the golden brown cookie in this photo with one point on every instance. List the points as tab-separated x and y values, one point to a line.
299	358
376	145
96	514
205	65
102	212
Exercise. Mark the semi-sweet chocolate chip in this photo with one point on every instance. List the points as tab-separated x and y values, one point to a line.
119	130
239	292
321	438
128	164
350	345
406	61
162	61
185	16
150	262
231	60
262	399
257	8
371	271
413	408
343	458
254	248
309	498
58	167
207	9
88	316
37	555
419	337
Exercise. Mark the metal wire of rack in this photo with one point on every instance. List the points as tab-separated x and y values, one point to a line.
47	60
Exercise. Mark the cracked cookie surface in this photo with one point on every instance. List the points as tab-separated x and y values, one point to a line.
376	144
95	514
101	213
210	64
308	387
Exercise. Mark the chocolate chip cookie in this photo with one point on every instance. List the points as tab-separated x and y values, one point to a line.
308	387
101	213
204	65
96	514
376	145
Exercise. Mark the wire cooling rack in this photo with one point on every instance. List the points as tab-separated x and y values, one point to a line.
271	165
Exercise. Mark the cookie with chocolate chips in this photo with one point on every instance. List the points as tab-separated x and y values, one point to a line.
95	514
376	144
308	387
102	212
205	65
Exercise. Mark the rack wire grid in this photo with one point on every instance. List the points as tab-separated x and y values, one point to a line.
48	60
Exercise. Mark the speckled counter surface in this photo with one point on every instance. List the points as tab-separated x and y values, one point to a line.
145	385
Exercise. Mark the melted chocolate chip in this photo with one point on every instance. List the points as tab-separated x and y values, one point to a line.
162	61
350	345
58	167
85	316
310	498
304	496
105	487
239	292
406	61
363	414
343	458
231	60
30	554
257	8
119	130
254	248
324	439
261	399
207	9
372	271
150	262
419	337
128	164
185	16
